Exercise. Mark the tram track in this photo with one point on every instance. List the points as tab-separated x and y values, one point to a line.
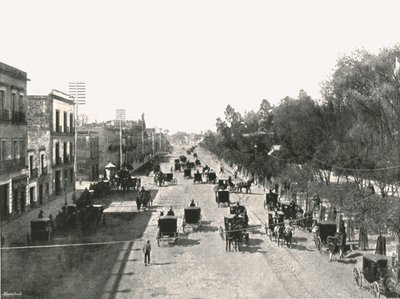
283	259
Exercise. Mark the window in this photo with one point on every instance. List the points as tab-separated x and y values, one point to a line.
42	161
3	150
57	121
15	149
1	101
71	122
65	122
21	103
22	148
13	102
65	155
71	149
71	176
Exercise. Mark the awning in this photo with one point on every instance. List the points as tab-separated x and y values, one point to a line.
110	165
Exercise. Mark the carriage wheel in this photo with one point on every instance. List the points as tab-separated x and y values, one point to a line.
376	290
317	241
357	277
216	187
174	181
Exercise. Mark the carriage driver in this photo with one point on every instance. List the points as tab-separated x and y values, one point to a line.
192	204
170	212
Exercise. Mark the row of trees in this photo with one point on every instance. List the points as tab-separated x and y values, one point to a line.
342	146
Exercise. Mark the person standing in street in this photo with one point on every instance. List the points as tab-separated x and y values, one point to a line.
146	251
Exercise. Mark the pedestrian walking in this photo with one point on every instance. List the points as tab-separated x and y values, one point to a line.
146	251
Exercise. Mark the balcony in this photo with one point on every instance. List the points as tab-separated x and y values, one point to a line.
59	130
12	165
18	117
4	115
34	173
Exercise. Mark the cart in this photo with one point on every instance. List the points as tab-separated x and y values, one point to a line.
198	177
271	200
211	177
325	229
40	231
187	173
192	218
377	277
222	196
167	230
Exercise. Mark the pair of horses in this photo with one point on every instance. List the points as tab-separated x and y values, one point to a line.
283	234
143	200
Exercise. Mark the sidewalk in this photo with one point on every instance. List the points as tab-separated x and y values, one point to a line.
16	230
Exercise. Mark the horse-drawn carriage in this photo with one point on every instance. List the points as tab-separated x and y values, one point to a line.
324	234
40	231
222	196
187	173
177	164
191	218
274	219
235	232
167	230
211	177
198	177
271	200
377	276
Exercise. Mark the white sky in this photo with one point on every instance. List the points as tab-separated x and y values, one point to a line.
183	62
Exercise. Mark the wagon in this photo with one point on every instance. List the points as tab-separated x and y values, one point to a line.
211	177
177	167
187	173
271	200
192	218
235	232
169	178
222	196
198	177
325	229
97	212
376	276
40	230
167	230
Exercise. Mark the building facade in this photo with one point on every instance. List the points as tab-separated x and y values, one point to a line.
87	155
13	134
39	149
51	144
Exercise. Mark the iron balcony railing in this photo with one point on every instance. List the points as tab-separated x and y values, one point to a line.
12	165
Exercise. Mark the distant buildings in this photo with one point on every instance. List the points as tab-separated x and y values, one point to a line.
37	145
88	158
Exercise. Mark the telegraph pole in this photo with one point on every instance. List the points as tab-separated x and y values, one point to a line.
121	116
77	92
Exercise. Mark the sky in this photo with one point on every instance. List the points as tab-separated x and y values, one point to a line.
182	62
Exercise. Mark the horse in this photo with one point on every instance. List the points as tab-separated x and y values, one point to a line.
285	233
247	185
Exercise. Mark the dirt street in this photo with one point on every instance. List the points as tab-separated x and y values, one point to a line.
198	266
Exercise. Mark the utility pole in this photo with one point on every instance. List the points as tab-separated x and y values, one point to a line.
121	116
77	92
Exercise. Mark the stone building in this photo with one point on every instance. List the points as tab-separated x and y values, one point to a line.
57	115
39	149
87	155
13	134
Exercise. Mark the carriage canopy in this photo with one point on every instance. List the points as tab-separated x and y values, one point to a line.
192	214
